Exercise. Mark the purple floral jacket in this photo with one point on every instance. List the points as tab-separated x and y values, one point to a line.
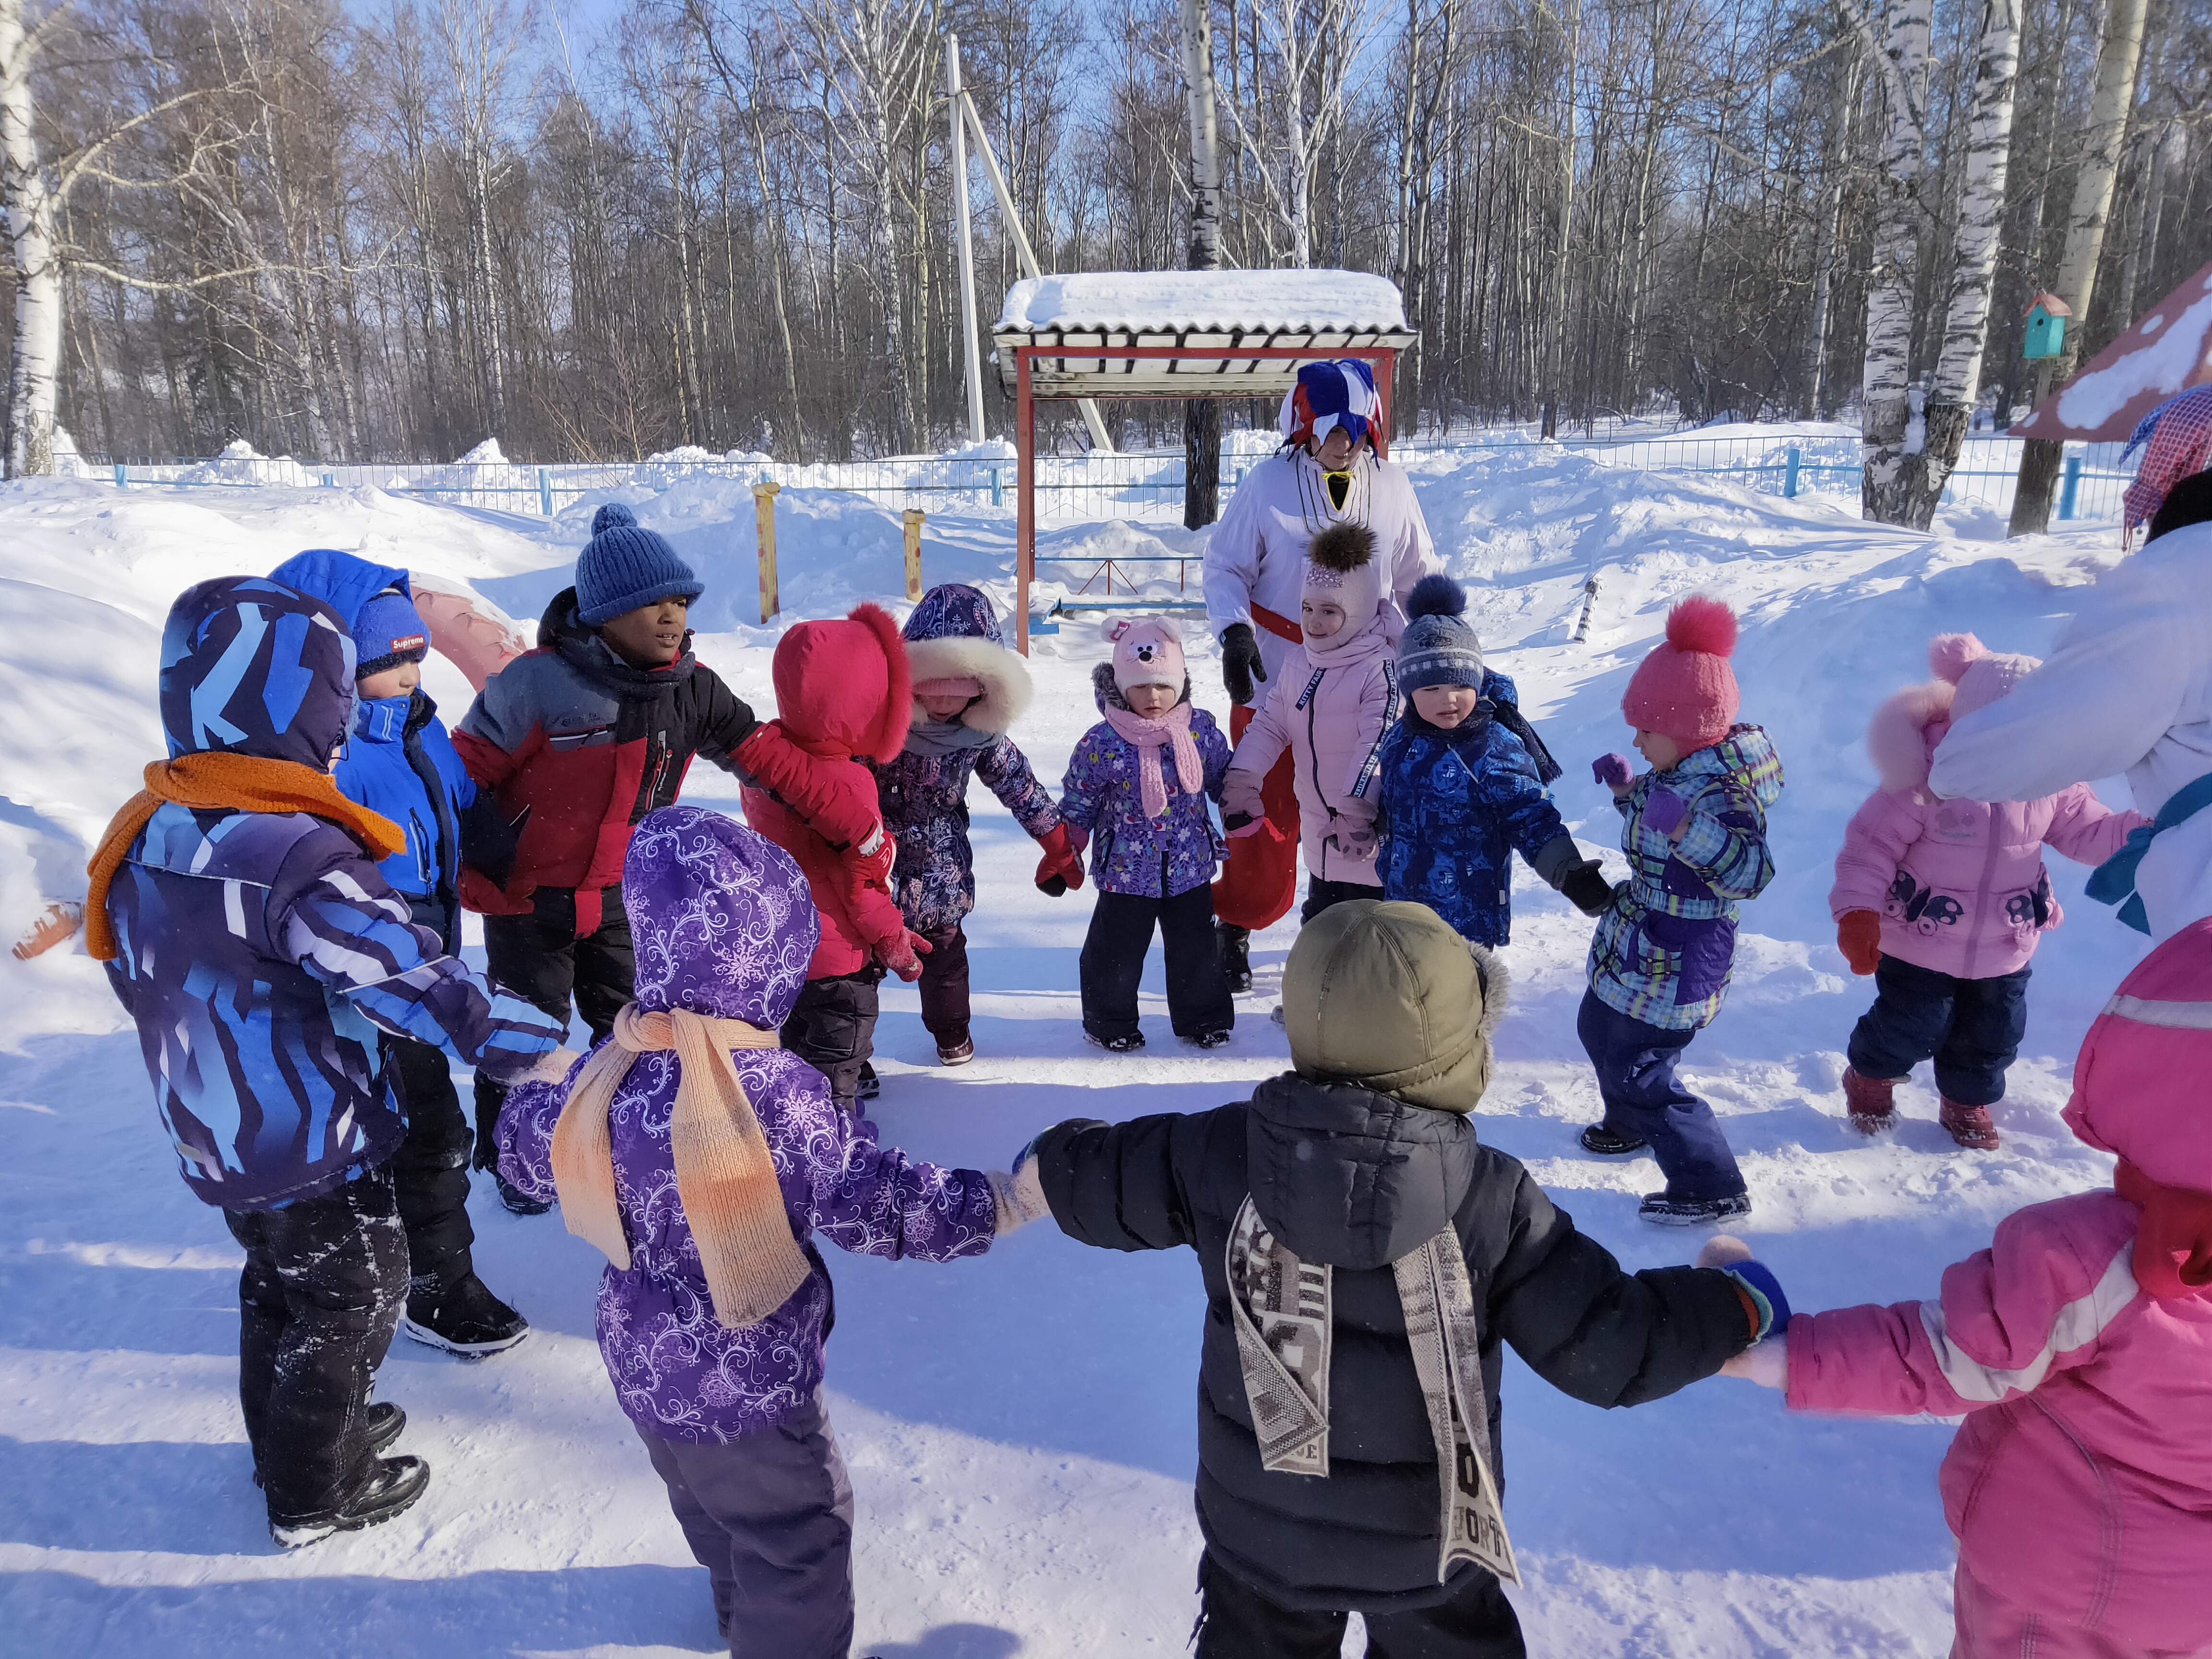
723	926
924	797
1130	853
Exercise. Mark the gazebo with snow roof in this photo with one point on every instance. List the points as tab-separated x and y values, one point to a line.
1179	334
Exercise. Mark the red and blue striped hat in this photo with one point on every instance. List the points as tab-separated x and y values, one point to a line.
1339	394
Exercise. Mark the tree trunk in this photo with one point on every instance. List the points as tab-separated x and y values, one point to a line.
28	196
1886	376
1956	387
2117	57
1838	177
1201	416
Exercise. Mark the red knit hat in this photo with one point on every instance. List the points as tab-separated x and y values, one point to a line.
1685	689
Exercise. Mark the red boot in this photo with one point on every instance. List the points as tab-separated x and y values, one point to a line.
1970	1127
1871	1100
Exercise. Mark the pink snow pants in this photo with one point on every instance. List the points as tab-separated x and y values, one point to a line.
1990	1626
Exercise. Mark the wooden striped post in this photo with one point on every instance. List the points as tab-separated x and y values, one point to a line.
912	518
764	494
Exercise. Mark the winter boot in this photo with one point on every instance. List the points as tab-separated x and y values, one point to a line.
392	1486
1236	957
518	1202
956	1053
1871	1100
1208	1039
1606	1143
869	1085
1666	1212
1970	1127
1118	1045
466	1320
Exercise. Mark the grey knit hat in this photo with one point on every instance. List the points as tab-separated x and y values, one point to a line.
1438	647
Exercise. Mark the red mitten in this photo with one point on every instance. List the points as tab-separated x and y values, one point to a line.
1062	866
1858	936
903	956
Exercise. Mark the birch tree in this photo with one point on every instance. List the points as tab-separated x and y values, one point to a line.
1886	381
31	197
1201	416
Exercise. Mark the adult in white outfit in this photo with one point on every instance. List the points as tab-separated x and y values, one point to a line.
1325	473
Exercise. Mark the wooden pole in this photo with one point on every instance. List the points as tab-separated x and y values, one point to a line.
764	494
1025	496
912	518
965	238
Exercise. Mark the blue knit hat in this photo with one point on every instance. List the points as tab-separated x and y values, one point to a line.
387	631
1438	647
622	567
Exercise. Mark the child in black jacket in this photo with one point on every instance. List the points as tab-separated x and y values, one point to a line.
1344	1218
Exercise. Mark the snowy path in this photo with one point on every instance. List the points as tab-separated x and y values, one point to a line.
1020	1428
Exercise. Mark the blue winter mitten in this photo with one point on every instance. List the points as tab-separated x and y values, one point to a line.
1733	1257
1018	1198
1664	810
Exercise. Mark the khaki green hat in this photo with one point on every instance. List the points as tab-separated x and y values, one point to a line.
1386	995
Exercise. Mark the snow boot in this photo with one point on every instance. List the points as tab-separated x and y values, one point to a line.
1970	1126
392	1486
1236	957
466	1320
1606	1143
869	1085
1871	1100
1118	1045
956	1054
1208	1039
383	1425
1666	1212
517	1201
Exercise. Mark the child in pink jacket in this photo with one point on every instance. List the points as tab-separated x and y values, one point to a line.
1331	701
2079	1348
1943	901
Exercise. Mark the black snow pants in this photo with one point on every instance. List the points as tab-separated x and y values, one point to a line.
431	1167
1113	962
832	1027
539	958
324	1280
1237	1622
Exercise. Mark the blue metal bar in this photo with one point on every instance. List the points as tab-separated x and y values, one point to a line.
545	492
2071	491
1789	476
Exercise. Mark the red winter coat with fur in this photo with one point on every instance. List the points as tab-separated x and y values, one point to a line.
842	691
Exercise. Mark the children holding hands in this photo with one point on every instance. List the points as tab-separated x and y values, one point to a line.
1136	792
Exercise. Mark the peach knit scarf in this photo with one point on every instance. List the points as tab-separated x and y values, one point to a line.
725	1175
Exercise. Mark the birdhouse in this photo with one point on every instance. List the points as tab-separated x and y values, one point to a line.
2046	326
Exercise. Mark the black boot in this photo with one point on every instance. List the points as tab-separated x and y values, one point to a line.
383	1425
518	1201
1236	957
870	1085
466	1320
392	1486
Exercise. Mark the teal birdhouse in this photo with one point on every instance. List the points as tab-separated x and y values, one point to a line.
2046	326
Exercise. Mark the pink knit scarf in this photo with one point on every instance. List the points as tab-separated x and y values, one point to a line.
1149	736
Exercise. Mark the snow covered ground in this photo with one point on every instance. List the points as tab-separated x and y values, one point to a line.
1020	1428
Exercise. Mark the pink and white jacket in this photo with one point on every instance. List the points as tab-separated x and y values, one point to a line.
1959	885
1330	711
2079	1347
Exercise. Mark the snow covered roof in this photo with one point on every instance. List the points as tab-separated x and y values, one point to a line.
1237	301
1315	314
2168	350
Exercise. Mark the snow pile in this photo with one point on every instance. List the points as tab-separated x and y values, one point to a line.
484	468
1030	1496
240	462
1173	301
67	462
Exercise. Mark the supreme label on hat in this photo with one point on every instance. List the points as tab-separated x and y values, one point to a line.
410	642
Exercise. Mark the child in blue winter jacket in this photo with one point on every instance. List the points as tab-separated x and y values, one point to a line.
1695	828
968	689
1460	790
399	763
1137	788
251	935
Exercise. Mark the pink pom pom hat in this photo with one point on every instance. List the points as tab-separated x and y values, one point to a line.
1685	690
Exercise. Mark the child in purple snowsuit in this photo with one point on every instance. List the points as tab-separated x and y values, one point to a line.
1137	788
732	1417
968	689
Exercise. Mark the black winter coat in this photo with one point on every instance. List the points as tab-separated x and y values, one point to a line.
1357	1180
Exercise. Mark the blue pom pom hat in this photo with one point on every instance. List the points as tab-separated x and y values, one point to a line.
623	568
1438	646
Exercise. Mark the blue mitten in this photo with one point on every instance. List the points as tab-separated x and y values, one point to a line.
1765	1289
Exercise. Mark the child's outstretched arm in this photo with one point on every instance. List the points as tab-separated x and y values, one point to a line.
876	1201
1881	833
2086	830
1256	752
1119	1186
2038	1300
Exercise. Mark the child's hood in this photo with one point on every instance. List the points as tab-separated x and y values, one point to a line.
844	687
344	581
720	916
2138	1088
254	666
1909	725
953	634
1107	695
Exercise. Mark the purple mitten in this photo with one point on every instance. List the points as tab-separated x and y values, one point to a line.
1664	810
1611	770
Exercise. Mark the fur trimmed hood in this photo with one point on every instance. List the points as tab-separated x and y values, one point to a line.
953	635
1901	739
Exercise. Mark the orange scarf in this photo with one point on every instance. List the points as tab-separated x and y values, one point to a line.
725	1173
212	780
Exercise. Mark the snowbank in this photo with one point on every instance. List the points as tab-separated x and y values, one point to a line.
240	462
1161	300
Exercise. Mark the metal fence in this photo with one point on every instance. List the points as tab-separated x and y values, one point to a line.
1140	486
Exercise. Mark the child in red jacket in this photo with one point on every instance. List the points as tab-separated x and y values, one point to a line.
843	691
580	739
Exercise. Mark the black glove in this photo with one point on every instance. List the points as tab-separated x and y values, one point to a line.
1586	890
1240	662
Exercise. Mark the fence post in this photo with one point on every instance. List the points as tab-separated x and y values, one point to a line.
545	492
1590	603
2070	492
998	498
122	476
912	518
764	494
1789	474
330	481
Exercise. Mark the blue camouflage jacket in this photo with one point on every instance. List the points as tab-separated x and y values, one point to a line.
1663	953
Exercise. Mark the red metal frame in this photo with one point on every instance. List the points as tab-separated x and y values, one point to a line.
1385	359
